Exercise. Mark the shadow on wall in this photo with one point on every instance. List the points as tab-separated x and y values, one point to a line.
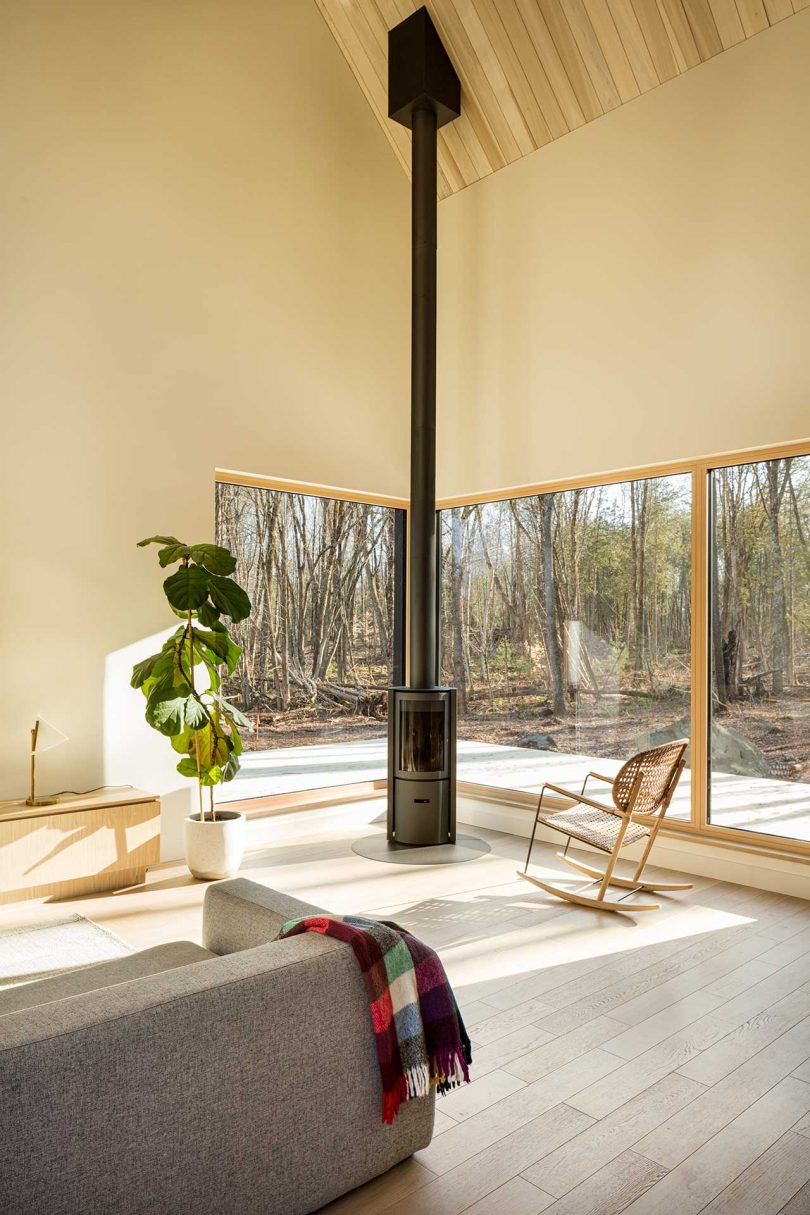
134	754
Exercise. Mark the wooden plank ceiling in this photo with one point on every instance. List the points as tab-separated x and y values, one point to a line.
533	70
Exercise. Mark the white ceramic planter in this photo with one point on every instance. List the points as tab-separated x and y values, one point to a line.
215	849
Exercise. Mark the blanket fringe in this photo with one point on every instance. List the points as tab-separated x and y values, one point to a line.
418	1080
449	1069
393	1098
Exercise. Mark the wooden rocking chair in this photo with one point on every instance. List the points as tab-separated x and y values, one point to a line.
641	792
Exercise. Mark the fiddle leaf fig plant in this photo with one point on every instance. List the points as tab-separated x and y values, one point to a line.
202	726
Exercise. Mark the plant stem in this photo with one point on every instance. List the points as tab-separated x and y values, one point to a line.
190	631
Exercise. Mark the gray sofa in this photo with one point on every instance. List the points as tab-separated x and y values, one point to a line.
239	1077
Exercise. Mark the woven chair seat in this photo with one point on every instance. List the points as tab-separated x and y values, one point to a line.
599	828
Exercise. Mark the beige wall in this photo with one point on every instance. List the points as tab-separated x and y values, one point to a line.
204	263
637	291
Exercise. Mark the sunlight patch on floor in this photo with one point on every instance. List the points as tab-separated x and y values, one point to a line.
573	938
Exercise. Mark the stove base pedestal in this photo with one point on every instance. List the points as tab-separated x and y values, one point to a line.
377	848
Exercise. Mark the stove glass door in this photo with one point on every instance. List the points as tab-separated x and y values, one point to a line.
422	736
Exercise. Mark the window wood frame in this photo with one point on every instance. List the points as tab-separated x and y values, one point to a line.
700	469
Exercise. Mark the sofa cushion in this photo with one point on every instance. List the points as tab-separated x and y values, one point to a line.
101	974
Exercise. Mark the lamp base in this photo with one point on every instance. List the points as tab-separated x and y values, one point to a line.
41	801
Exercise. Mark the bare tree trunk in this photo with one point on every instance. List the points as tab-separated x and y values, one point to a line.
720	687
552	639
284	686
776	489
639	492
457	610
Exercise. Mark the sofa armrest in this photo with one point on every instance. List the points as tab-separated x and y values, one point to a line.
240	914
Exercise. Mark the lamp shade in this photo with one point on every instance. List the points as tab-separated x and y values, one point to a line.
44	736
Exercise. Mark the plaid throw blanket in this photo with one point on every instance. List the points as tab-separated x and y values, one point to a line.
419	1033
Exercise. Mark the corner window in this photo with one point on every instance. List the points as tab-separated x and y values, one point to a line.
566	628
324	640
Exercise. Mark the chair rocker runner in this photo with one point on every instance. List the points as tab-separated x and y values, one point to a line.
642	792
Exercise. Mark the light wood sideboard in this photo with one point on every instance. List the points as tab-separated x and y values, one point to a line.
83	844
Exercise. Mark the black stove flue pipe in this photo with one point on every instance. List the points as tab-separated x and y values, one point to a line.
423	526
423	94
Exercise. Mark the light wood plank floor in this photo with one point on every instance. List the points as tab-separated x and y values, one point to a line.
646	1065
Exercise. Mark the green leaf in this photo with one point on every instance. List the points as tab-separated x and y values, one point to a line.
208	615
236	738
195	714
182	742
211	776
211	746
142	670
231	767
165	708
188	767
233	656
224	648
215	558
209	660
202	745
180	647
229	597
148	686
177	655
187	588
236	715
158	540
218	642
203	656
174	552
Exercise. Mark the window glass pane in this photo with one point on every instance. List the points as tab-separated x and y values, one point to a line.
319	645
566	630
760	648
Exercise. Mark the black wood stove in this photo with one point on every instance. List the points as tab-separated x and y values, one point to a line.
422	766
423	94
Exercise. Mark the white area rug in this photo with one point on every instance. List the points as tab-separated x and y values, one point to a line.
36	951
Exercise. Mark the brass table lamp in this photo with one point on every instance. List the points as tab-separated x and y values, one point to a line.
44	737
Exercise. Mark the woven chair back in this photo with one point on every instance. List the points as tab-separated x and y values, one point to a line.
654	770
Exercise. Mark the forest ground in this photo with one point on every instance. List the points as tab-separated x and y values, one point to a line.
779	728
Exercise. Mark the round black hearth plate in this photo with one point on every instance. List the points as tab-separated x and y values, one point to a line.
377	848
